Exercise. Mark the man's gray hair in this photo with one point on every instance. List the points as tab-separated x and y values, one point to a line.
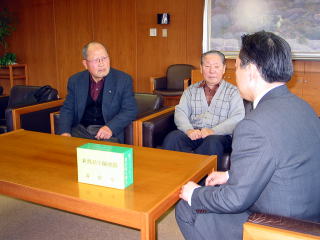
220	54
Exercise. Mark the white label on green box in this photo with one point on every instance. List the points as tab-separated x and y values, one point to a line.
105	165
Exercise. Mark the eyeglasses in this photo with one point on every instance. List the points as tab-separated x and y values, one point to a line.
98	60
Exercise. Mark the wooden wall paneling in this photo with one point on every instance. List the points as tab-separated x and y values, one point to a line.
311	90
196	76
148	53
51	34
33	39
311	84
114	24
173	48
194	20
295	84
312	66
230	73
298	65
155	54
73	28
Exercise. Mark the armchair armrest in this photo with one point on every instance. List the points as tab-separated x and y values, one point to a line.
152	129
34	117
157	83
268	227
54	117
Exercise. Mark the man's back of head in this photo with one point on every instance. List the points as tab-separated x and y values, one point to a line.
270	53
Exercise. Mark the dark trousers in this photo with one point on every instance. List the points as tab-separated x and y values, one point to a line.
203	226
89	132
211	145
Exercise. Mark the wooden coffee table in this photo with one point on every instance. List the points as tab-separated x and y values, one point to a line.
42	168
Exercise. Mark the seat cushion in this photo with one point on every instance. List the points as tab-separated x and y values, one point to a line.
168	92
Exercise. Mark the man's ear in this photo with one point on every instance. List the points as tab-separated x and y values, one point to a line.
200	68
84	62
253	72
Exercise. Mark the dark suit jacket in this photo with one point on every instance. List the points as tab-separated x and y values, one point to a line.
275	162
118	103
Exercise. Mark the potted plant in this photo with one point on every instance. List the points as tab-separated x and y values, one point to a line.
6	28
8	59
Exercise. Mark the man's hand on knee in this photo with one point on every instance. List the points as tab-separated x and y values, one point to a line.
205	132
66	134
194	134
217	178
104	133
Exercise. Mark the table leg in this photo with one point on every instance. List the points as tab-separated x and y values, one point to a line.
148	231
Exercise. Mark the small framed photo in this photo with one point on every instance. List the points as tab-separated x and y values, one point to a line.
163	18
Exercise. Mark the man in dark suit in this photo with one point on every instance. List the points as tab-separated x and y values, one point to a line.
275	159
100	102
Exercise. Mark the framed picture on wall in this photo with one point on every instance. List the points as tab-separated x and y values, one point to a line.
296	21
